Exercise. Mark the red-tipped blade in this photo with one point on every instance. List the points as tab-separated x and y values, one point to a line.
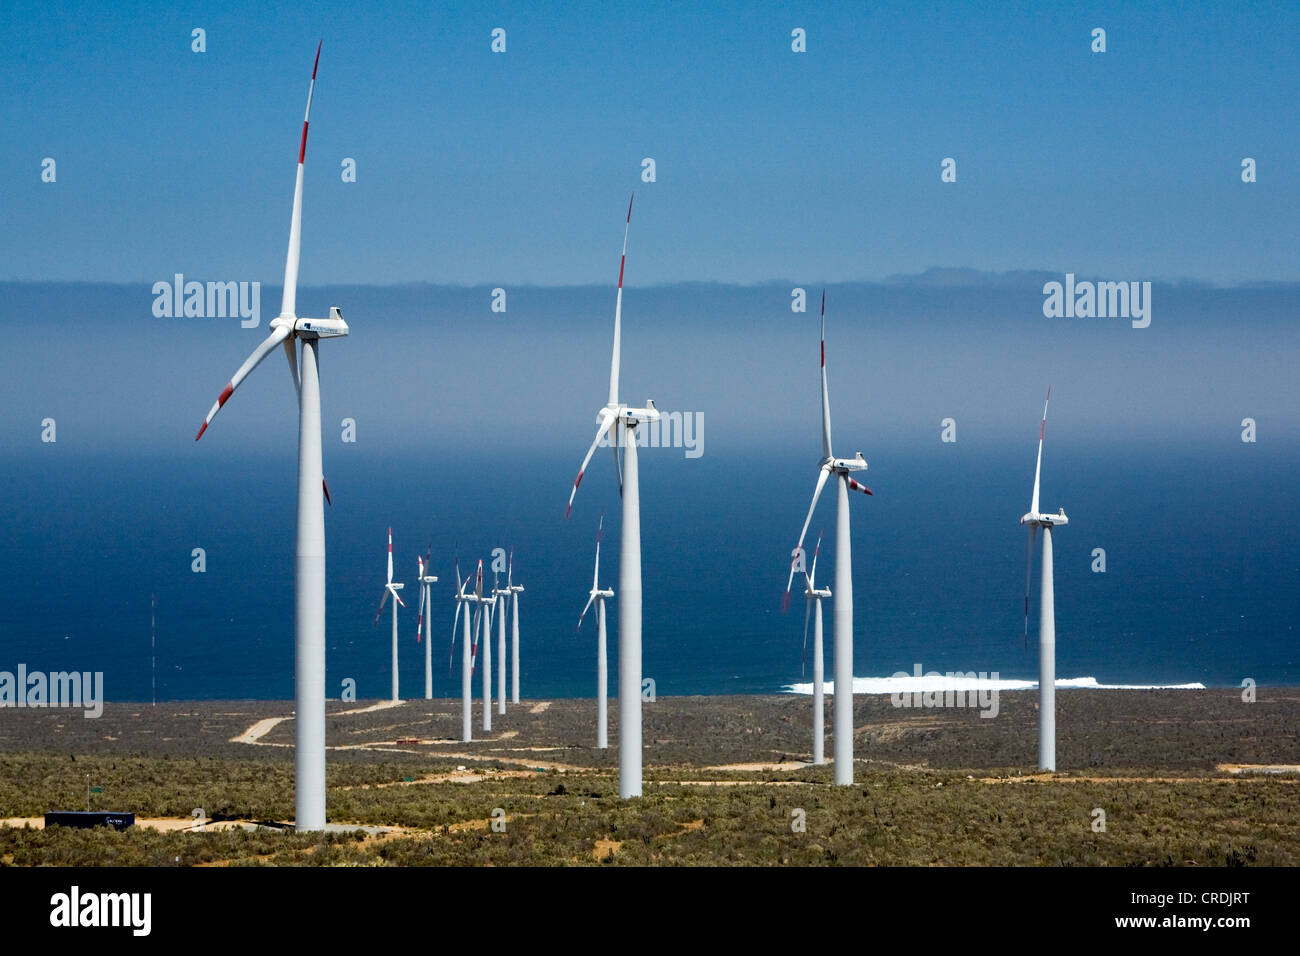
858	486
221	403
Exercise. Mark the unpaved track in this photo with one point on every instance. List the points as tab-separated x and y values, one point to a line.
255	733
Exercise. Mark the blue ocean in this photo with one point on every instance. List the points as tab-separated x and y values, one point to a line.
1199	585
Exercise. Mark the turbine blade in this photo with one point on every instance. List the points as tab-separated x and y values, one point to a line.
826	399
398	598
855	485
451	657
1038	468
326	488
1029	573
278	335
807	613
590	600
390	557
600	533
288	303
822	475
812	575
616	356
291	353
419	619
618	461
382	601
474	632
606	420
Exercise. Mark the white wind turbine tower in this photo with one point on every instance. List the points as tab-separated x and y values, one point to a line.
597	596
501	600
814	598
391	588
425	619
620	422
515	590
463	597
1046	612
843	633
483	614
309	569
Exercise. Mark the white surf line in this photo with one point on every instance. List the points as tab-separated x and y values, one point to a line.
902	683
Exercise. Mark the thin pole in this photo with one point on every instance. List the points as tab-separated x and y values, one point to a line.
153	649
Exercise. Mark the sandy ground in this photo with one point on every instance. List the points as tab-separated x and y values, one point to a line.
153	823
255	733
1103	734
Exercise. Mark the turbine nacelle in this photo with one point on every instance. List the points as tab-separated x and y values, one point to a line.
627	414
332	328
842	466
819	593
1047	520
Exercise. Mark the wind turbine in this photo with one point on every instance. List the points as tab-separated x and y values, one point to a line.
309	569
391	588
620	422
515	590
842	469
501	599
463	597
814	598
424	579
597	596
1046	612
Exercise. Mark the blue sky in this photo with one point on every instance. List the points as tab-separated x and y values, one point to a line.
482	168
